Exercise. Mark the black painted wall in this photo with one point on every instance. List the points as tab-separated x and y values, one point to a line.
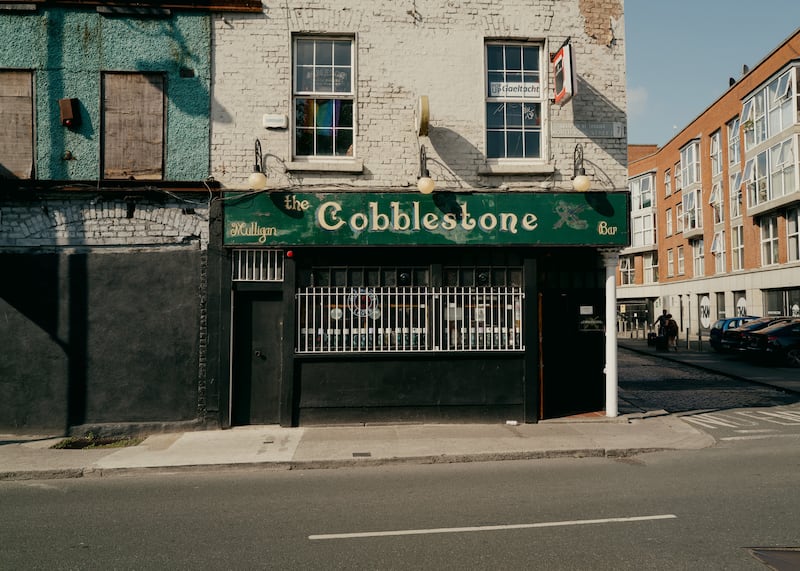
99	337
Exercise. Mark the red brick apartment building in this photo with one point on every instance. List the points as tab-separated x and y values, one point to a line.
715	213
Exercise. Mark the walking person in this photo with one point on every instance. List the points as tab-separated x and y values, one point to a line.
671	329
661	322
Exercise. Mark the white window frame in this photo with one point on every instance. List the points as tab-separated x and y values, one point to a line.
717	203
627	270
650	265
782	166
756	179
734	143
698	257
311	93
667	182
670	263
718	251
642	229
526	128
679	218
681	261
678	180
715	153
779	104
690	164
769	240
668	222
793	234
641	189
692	209
737	247
735	194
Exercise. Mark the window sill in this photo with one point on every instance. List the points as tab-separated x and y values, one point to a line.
349	166
516	168
692	233
774	204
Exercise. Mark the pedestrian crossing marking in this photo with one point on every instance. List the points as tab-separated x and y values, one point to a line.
745	418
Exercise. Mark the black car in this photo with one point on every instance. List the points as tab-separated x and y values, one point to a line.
777	343
722	325
732	338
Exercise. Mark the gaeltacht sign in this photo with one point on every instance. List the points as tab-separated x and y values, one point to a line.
402	219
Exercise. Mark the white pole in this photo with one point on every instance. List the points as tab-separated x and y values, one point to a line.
610	259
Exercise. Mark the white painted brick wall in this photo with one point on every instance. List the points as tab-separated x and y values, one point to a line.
440	53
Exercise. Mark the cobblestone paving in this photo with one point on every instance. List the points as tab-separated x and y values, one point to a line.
650	383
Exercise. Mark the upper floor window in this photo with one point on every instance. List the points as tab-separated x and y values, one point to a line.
769	240
782	167
650	260
737	247
681	261
642	192
690	164
626	270
692	209
133	125
698	257
16	116
678	182
514	100
715	154
793	234
717	203
735	194
718	251
768	111
734	143
667	182
668	225
670	263
755	179
679	217
643	234
323	97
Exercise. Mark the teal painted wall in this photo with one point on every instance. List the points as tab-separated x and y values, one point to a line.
68	50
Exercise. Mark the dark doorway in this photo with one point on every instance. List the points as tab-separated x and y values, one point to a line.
257	336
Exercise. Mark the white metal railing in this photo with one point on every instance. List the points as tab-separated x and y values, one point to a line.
257	265
409	319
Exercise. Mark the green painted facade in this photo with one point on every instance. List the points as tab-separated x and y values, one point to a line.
405	219
69	49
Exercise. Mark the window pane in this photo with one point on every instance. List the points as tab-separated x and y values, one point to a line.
324	113
495	79
533	144
514	57
532	114
341	79
304	112
344	114
324	52
514	115
304	142
341	53
323	79
305	52
305	79
324	141
495	118
495	144
530	56
344	142
514	144
494	57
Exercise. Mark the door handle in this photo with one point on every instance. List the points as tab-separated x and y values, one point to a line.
258	354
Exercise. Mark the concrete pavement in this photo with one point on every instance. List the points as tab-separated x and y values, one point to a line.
274	447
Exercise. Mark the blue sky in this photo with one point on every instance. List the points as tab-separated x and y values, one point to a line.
681	53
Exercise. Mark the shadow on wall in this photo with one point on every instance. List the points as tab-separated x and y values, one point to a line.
458	159
589	105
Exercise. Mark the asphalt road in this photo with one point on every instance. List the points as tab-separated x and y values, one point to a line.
675	510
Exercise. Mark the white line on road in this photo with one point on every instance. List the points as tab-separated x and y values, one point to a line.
761	437
488	527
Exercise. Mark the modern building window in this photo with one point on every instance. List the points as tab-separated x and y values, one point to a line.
755	179
514	101
133	125
627	270
734	143
678	181
735	194
681	261
769	240
718	251
668	223
793	234
754	121
692	209
642	192
715	154
679	217
690	164
16	115
324	94
650	267
720	305
698	257
670	263
779	104
642	230
667	182
737	247
717	203
782	168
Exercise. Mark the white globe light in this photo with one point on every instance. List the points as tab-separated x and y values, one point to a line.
581	183
425	185
257	181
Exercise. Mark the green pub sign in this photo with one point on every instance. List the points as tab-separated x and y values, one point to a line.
443	218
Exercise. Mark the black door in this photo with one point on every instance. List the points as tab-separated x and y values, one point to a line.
257	335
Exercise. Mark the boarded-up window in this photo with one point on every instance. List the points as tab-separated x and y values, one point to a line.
16	118
133	125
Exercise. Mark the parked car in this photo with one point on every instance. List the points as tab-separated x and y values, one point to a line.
732	338
778	343
722	325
